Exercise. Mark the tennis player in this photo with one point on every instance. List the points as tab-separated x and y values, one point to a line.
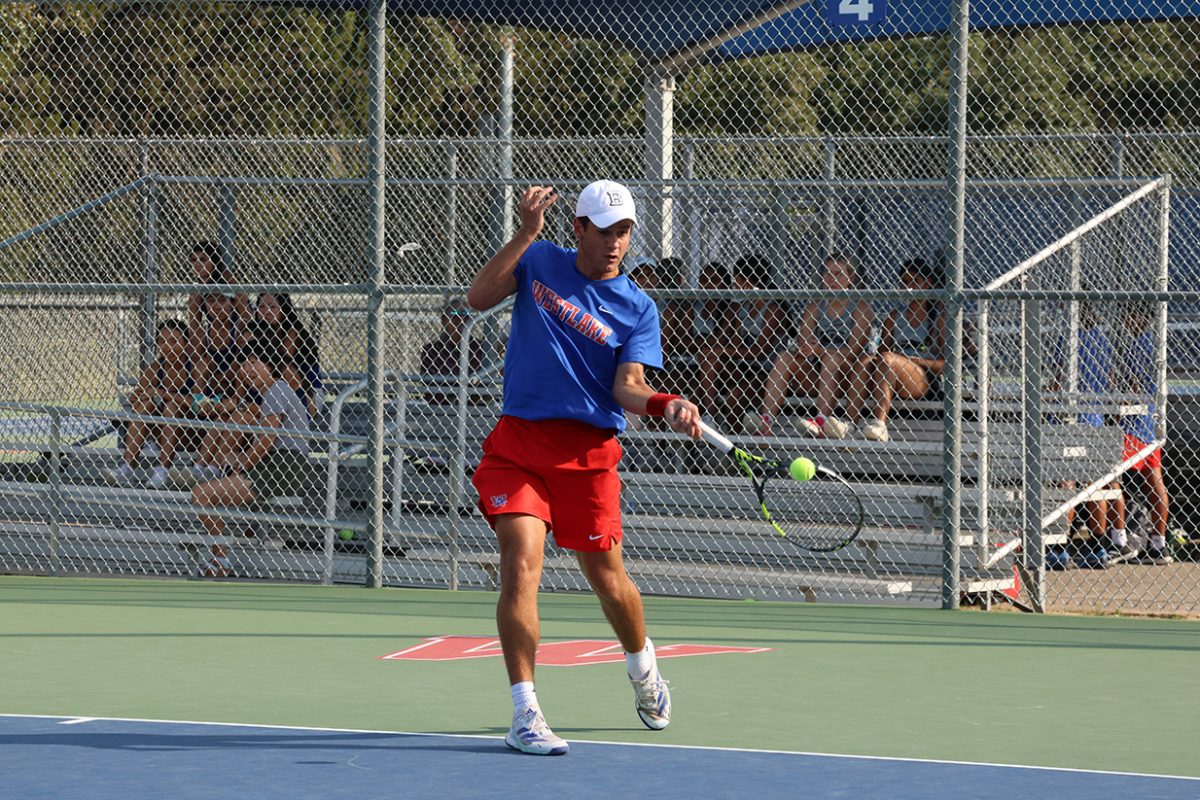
582	337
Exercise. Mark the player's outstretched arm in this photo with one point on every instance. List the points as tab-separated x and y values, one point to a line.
635	396
495	281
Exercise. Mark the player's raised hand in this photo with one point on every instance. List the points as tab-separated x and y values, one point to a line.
532	208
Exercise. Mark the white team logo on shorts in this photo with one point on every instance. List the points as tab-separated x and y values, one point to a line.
499	500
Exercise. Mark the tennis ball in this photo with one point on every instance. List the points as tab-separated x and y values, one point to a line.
802	469
346	535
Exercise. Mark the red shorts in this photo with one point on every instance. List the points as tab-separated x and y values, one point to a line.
561	471
1150	462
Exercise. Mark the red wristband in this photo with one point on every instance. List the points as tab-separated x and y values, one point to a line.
657	403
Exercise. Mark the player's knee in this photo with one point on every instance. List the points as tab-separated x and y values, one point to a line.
609	582
520	571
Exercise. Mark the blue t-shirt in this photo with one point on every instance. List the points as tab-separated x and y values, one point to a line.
1095	364
1140	363
569	334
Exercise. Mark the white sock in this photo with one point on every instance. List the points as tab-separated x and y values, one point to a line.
524	697
1158	542
639	665
1119	537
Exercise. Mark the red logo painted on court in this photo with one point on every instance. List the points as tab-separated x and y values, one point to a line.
551	654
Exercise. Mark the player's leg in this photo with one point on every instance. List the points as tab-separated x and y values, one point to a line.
514	499
622	605
521	539
619	597
586	516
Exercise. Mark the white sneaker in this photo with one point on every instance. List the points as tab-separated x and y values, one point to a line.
876	431
653	700
158	478
811	428
835	428
529	733
122	475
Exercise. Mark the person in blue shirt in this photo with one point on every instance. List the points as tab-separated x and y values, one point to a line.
582	337
1140	431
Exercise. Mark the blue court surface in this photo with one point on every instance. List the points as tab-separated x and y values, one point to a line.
112	759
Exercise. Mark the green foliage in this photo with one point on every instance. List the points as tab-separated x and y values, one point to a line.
267	70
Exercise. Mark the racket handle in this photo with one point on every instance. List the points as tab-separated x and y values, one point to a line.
717	440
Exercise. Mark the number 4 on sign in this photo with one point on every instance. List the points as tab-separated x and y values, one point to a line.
858	8
856	12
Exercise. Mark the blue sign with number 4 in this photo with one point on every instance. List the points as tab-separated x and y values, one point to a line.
855	12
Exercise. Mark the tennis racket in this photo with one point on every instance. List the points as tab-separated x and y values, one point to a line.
820	515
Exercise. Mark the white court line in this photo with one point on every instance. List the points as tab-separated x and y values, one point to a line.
77	720
900	759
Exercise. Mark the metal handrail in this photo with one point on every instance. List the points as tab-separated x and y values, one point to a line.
1077	233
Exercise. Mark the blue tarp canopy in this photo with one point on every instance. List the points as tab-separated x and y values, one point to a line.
716	30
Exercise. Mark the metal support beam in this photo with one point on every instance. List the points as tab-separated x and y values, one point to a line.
376	250
956	184
500	128
149	302
1034	551
657	218
227	226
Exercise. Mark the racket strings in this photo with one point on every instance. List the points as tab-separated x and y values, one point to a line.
820	515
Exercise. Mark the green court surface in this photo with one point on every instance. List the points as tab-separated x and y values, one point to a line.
1095	693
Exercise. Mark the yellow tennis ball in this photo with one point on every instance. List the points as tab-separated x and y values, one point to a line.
802	469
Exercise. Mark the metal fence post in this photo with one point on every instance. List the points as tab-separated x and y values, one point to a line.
953	372
56	489
451	274
829	213
1034	552
227	226
148	304
983	410
377	243
1161	283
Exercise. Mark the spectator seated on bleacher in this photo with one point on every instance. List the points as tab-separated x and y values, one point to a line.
910	358
439	356
163	389
735	360
825	356
217	323
270	465
1139	375
674	323
302	367
1098	530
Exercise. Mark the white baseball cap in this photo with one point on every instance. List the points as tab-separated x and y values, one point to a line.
605	203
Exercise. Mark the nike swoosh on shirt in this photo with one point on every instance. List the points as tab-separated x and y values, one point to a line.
605	309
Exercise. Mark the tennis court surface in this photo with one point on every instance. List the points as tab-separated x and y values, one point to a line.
140	689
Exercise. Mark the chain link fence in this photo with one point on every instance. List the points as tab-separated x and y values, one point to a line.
190	251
